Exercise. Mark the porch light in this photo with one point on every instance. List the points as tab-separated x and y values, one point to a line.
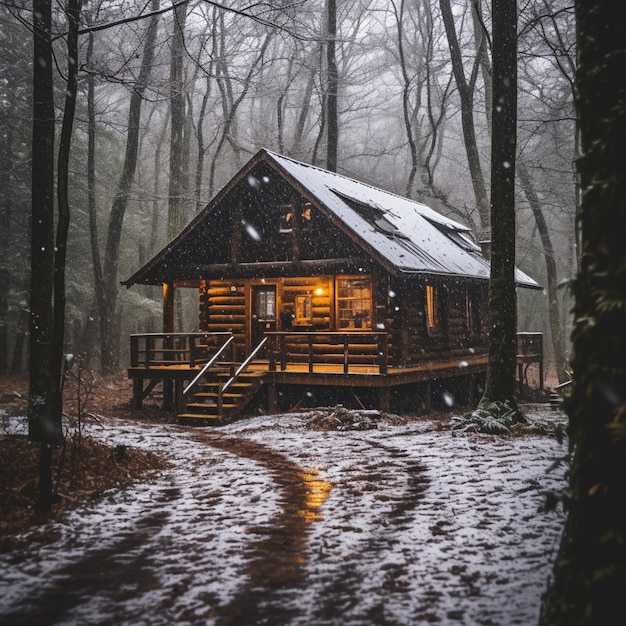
319	291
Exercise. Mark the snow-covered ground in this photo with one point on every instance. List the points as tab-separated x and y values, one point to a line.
266	521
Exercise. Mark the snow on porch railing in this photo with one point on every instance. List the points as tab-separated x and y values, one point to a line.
324	347
148	350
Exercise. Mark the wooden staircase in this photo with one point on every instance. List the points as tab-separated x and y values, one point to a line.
203	408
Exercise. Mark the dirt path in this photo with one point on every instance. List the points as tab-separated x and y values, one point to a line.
267	522
275	564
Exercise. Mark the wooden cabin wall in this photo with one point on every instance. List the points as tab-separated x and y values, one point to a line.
412	341
322	303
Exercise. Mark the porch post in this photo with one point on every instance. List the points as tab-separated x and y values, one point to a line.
168	327
168	307
384	399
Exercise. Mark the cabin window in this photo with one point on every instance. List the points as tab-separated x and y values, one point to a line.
431	308
354	303
287	217
472	312
304	311
436	310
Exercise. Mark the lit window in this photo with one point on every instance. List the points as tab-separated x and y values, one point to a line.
431	308
354	303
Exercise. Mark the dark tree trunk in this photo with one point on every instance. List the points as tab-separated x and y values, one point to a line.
589	586
44	425
72	11
332	121
107	297
554	310
178	163
47	292
466	95
500	383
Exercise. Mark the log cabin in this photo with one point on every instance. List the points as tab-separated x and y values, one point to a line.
314	288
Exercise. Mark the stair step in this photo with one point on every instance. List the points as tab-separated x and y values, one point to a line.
214	394
200	406
197	419
237	385
242	376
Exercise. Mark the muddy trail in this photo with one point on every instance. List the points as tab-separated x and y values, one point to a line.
274	561
266	522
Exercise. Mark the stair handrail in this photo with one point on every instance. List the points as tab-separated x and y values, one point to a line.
233	378
209	364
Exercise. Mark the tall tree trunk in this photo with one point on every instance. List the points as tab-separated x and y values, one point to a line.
107	295
589	584
43	425
178	163
72	11
298	134
6	148
554	310
500	383
47	295
332	84
466	94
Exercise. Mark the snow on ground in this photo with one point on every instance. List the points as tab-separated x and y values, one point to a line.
266	521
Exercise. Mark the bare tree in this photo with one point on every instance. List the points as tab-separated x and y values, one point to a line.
466	90
107	282
424	97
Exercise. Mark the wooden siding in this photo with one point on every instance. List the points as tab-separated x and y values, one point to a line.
399	307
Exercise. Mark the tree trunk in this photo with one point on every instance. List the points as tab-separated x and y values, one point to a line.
43	425
589	583
332	84
72	11
107	297
554	310
178	163
500	383
466	94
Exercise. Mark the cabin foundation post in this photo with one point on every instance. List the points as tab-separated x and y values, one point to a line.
471	391
272	399
137	403
168	395
428	398
179	399
384	400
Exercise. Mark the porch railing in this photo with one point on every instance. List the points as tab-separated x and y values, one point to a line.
316	349
150	350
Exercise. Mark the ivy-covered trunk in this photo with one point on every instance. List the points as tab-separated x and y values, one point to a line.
589	584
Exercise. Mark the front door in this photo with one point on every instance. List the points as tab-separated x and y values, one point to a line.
263	311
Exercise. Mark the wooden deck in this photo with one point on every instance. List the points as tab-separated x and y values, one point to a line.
356	362
292	360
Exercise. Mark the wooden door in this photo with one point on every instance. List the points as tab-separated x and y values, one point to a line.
263	311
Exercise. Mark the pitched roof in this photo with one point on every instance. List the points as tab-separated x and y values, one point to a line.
401	234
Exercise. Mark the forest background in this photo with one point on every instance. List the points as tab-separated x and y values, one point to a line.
173	98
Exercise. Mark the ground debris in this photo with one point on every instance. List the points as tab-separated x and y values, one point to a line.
83	469
340	418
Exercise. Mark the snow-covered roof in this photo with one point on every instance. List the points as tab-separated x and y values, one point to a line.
407	234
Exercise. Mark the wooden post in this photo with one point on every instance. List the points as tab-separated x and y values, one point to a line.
428	400
272	399
168	308
137	394
168	327
384	400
